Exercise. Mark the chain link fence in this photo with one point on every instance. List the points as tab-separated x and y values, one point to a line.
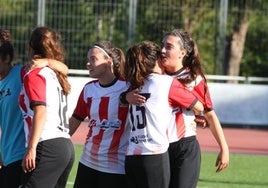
123	22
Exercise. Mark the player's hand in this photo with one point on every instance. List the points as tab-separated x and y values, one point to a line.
200	121
133	97
28	163
222	161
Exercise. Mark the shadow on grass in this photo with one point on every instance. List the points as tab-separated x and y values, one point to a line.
263	184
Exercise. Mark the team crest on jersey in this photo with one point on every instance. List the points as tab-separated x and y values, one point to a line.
5	93
106	124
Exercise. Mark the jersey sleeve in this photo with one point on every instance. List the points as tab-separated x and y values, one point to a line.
181	96
35	87
201	91
80	111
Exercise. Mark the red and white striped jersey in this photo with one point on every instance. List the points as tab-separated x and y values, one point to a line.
41	87
184	124
107	137
150	121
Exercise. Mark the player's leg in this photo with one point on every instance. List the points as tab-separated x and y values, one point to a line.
69	154
2	169
112	180
86	177
151	171
51	161
12	174
132	168
186	165
175	158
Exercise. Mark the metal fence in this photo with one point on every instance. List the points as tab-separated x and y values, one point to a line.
82	22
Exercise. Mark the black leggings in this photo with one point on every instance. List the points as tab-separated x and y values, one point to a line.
54	161
11	175
147	171
88	177
185	160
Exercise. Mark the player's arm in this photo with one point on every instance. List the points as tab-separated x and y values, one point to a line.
198	108
222	160
39	119
132	97
201	91
181	96
35	85
73	125
79	114
52	63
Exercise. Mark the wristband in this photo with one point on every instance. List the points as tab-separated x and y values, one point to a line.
123	98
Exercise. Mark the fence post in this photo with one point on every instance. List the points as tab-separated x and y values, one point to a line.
220	38
132	14
40	12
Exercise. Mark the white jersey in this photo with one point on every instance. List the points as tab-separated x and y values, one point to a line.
107	138
150	121
41	87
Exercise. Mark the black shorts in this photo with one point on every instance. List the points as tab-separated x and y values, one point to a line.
185	161
54	161
148	171
11	175
88	177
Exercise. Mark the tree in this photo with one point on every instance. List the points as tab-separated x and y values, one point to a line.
242	16
237	37
254	61
106	8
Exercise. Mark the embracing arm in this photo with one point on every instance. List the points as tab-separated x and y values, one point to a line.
58	66
222	160
132	97
198	108
52	63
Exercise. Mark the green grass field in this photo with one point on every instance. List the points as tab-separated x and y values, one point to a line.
245	171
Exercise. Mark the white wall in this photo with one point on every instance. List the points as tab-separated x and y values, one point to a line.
240	104
77	84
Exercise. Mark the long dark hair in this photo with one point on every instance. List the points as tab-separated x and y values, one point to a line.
140	62
191	61
6	46
46	43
